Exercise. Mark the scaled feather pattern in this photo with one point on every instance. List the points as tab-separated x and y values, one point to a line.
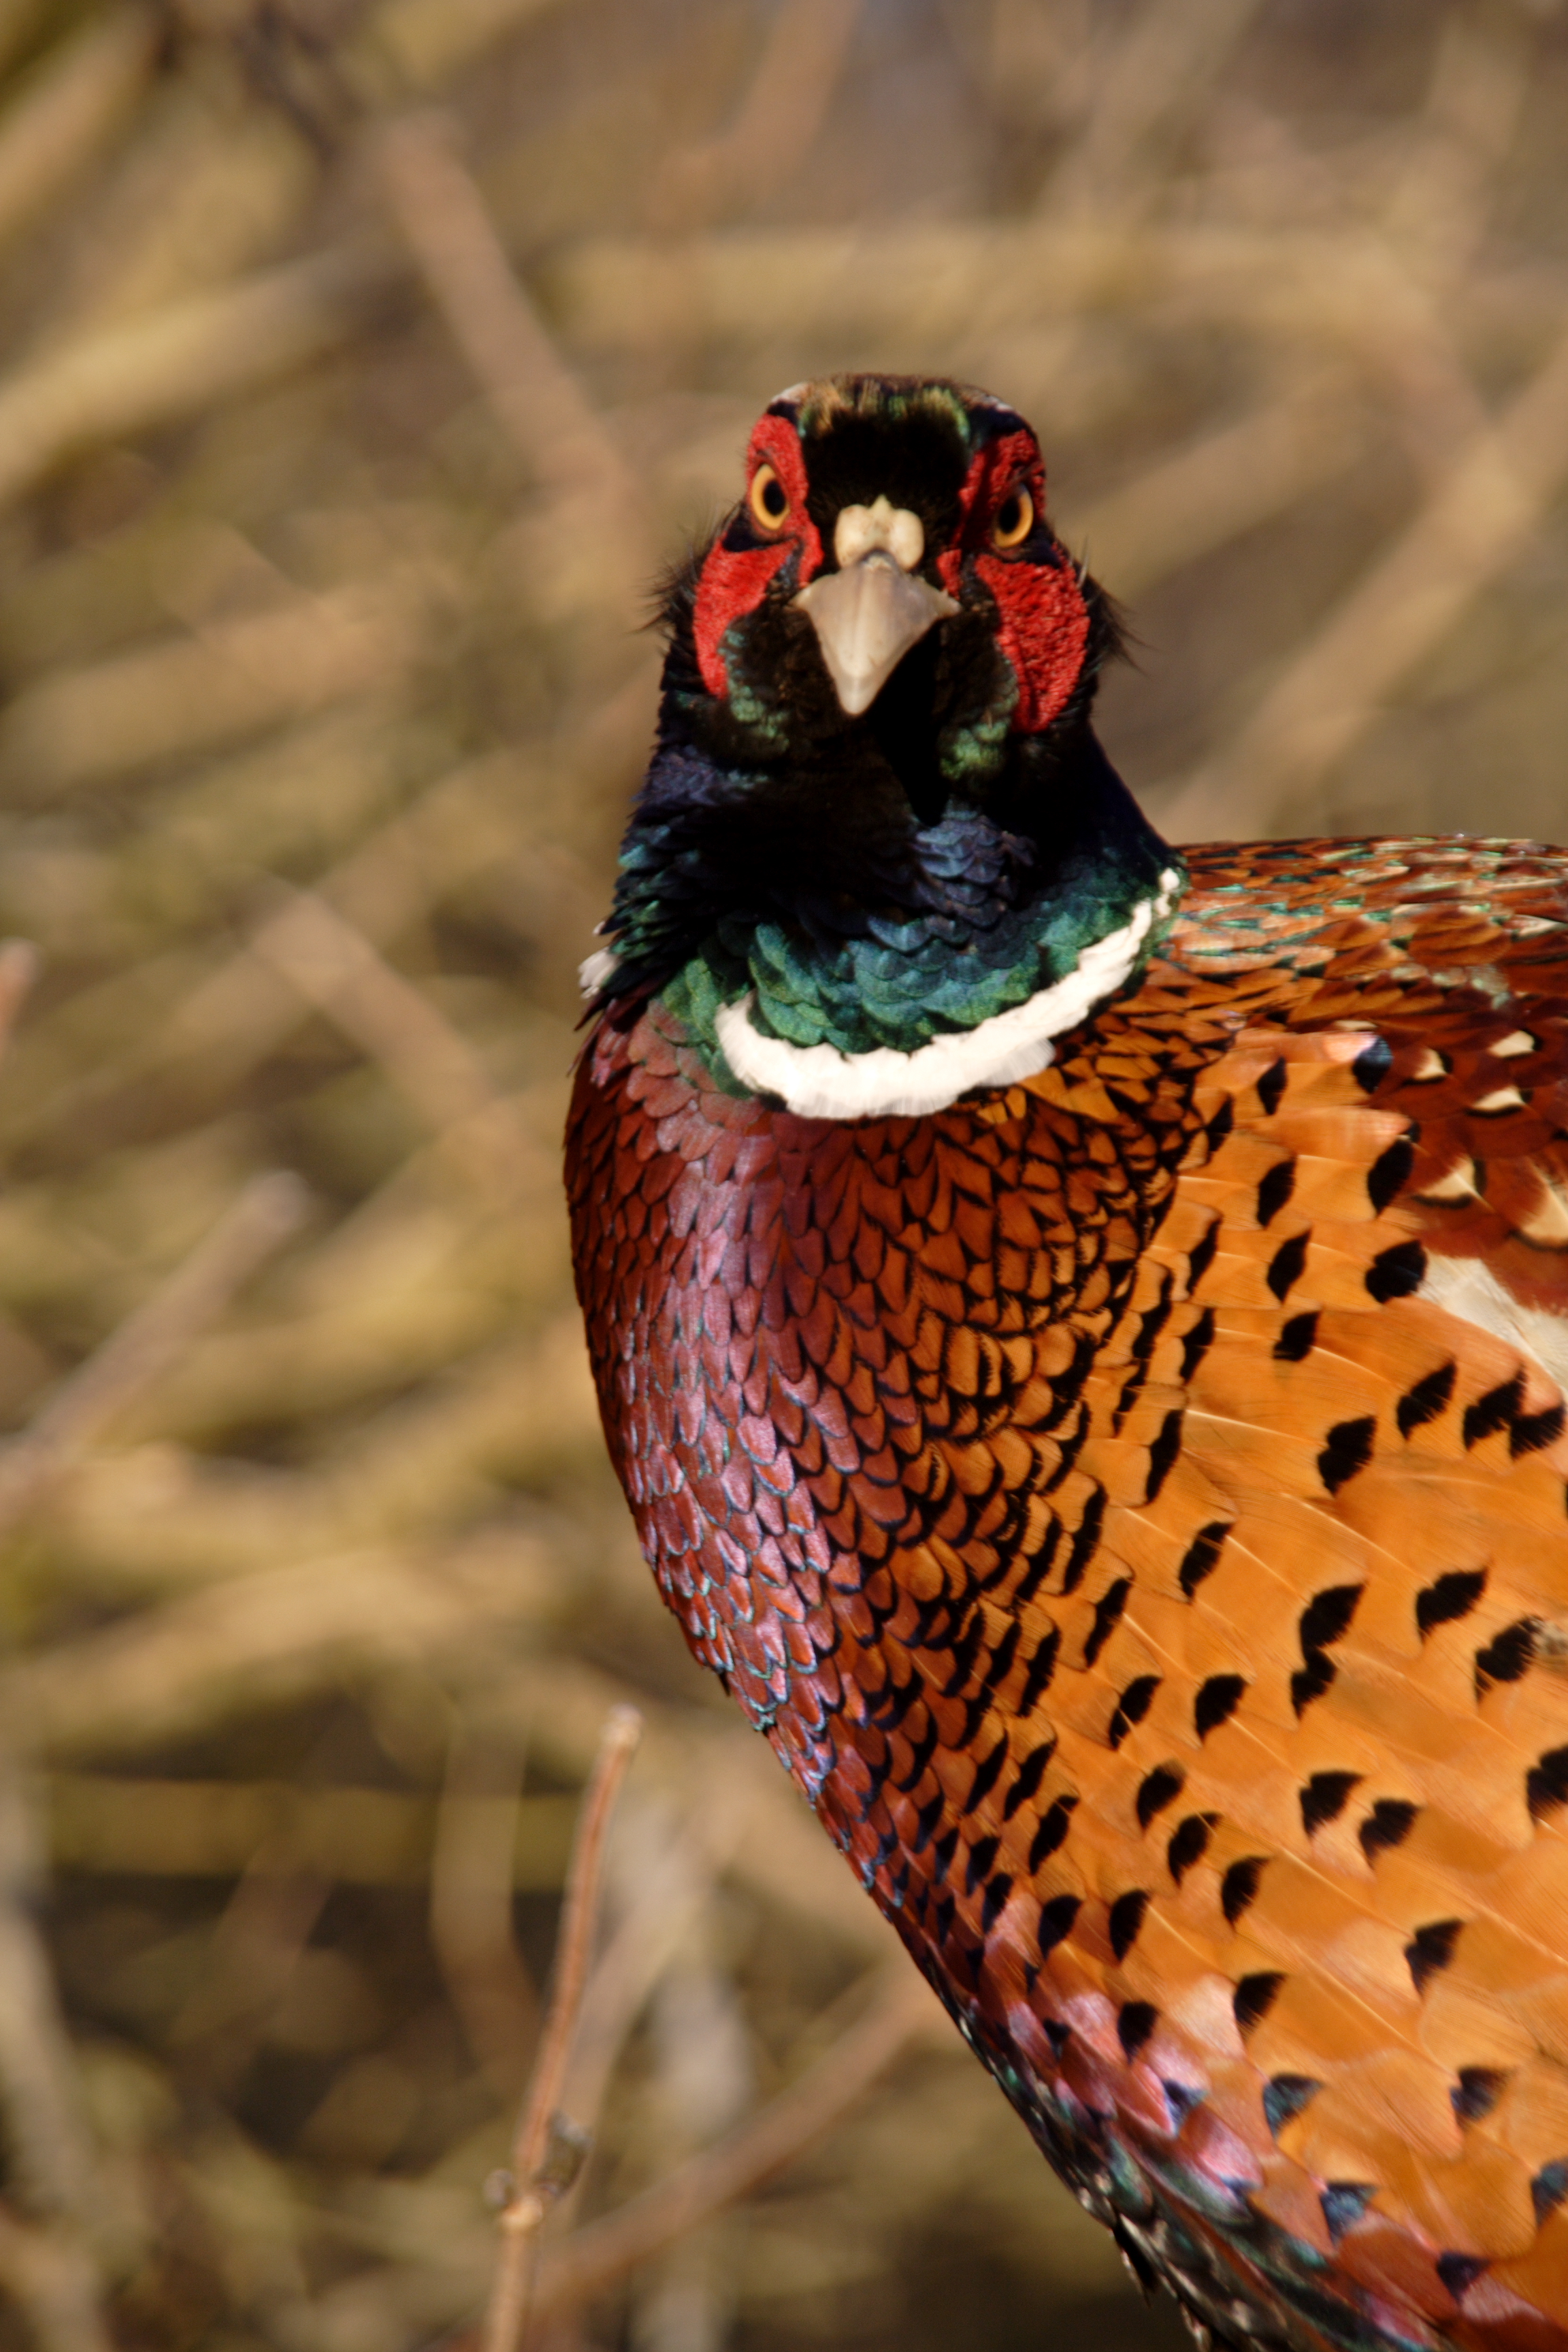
1132	1500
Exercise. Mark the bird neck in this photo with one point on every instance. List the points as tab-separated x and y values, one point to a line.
821	943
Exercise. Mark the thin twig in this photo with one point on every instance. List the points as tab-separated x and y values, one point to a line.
517	2260
730	2170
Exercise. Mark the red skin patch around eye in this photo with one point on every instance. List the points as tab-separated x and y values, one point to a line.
734	581
1042	620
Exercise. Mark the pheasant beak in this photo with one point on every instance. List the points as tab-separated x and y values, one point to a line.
868	613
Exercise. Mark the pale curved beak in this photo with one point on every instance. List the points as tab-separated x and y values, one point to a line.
868	613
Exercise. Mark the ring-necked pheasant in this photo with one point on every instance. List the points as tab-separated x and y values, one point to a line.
1083	1330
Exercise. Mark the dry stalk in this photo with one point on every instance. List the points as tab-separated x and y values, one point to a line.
335	968
277	1636
1476	522
70	108
781	114
182	695
1214	488
593	2257
50	2278
178	362
268	1210
506	2321
1153	74
535	396
473	1874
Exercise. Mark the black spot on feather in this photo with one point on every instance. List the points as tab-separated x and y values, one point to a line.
1324	1619
1200	1257
1051	1830
1238	1887
1271	1086
1311	1681
1425	1399
1454	1594
1325	1797
986	1775
1085	1542
1275	1190
1132	1707
923	1750
1160	1788
1476	2092
1388	1172
1494	1411
1327	1616
1348	1450
1508	1655
1253	1997
1042	1666
1031	1772
1546	1783
1125	1918
1532	1431
1549	2187
1432	1949
1388	1824
1135	2023
1343	2202
1220	1125
926	1821
1056	1921
1371	1064
1189	1843
1460	2272
1284	2097
1108	1609
997	1890
1297	1338
1216	1702
965	1650
1286	1264
1196	1344
982	1857
1202	1554
1162	1452
1395	1273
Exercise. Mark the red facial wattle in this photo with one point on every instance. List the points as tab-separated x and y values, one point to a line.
1042	620
734	581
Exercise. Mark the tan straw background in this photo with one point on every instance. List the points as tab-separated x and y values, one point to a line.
361	362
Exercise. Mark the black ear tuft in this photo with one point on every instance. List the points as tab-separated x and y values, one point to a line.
1110	632
672	596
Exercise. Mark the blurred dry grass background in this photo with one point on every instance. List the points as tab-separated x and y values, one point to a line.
362	359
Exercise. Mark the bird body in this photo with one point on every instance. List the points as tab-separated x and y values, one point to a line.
1082	1329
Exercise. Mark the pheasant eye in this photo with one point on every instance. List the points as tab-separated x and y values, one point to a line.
1015	519
768	499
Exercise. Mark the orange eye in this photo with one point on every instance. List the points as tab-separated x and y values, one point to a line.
1015	519
767	499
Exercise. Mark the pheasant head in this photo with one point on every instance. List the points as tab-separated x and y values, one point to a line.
880	858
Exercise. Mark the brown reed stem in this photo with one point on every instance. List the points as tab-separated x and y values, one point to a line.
517	2261
268	1210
